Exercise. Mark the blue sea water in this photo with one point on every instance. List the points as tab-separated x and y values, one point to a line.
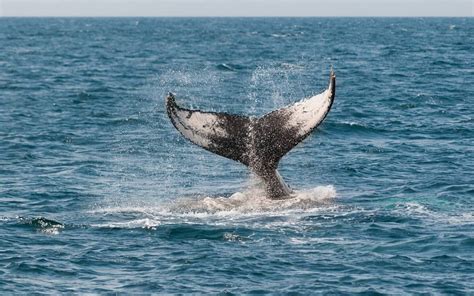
100	194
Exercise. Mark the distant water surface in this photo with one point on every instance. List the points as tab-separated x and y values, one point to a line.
99	193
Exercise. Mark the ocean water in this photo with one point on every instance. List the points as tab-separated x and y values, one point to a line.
100	194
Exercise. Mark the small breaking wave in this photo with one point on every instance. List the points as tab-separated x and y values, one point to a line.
414	209
355	127
41	224
145	223
229	67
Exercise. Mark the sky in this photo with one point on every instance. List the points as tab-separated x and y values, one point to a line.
236	8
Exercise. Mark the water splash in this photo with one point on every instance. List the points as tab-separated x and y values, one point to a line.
254	201
187	83
274	86
249	202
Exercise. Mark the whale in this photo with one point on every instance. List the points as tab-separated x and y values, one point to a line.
256	142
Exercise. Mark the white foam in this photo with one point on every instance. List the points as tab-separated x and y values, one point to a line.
250	201
352	123
140	209
254	201
52	230
241	207
414	209
137	223
461	219
321	240
232	237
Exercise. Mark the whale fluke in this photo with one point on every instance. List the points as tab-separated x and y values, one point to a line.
258	143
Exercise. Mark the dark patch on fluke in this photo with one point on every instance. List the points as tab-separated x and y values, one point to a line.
258	143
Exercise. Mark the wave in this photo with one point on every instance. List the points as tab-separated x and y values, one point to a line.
41	224
128	121
355	127
229	67
146	223
414	209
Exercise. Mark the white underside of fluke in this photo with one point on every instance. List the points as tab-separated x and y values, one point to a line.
198	127
308	113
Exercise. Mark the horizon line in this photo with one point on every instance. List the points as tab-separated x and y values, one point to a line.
234	16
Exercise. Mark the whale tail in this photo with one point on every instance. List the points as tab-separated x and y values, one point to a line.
258	143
